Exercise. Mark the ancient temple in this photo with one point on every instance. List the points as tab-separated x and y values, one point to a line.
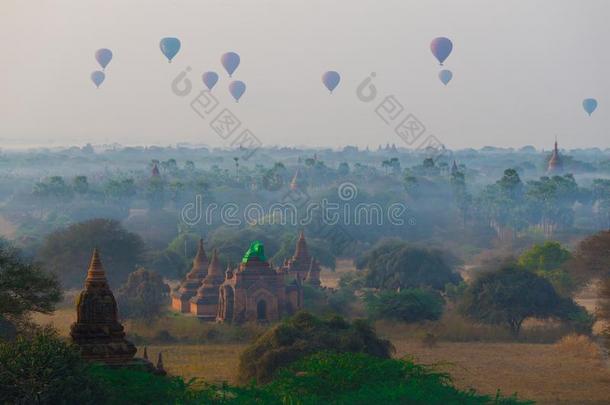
304	267
97	331
555	163
181	297
297	182
155	171
205	303
255	292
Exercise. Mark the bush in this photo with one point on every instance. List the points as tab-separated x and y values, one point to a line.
44	370
144	296
410	305
303	335
358	378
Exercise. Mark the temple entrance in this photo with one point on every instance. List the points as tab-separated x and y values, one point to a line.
261	310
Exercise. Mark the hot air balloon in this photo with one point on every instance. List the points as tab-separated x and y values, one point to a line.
589	104
237	89
441	48
103	57
98	77
210	79
170	47
331	80
230	61
445	76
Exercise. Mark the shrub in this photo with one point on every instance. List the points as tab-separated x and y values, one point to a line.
579	346
44	370
358	378
143	296
410	305
303	335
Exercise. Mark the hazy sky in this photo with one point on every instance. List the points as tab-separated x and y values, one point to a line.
521	70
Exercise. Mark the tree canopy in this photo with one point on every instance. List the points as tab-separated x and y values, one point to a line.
511	295
394	264
67	252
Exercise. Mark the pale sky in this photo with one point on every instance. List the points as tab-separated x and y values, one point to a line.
520	70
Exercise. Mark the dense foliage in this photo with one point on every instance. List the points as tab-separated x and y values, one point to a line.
511	295
408	305
302	335
394	264
44	370
24	288
143	296
66	252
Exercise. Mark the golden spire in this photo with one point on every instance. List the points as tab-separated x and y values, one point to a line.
95	273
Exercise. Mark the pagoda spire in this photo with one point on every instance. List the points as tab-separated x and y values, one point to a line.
96	276
200	262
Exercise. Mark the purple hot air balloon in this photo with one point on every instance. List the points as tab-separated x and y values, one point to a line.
170	47
103	57
98	77
331	80
445	76
210	79
237	89
230	61
441	48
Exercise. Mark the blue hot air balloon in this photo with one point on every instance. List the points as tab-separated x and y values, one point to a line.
210	79
98	77
230	61
589	104
441	48
331	80
170	47
237	89
445	76
103	57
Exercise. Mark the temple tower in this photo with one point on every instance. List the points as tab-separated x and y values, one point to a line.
555	163
189	286
97	330
205	303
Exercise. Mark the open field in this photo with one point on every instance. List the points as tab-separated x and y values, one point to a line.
534	371
540	372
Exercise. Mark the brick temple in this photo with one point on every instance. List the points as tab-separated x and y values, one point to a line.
253	291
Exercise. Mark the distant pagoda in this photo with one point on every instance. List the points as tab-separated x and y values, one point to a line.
302	265
555	162
97	330
189	286
205	303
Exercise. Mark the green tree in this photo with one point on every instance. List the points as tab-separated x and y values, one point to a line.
80	185
511	295
66	252
24	288
45	370
143	296
302	335
394	264
548	260
408	305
